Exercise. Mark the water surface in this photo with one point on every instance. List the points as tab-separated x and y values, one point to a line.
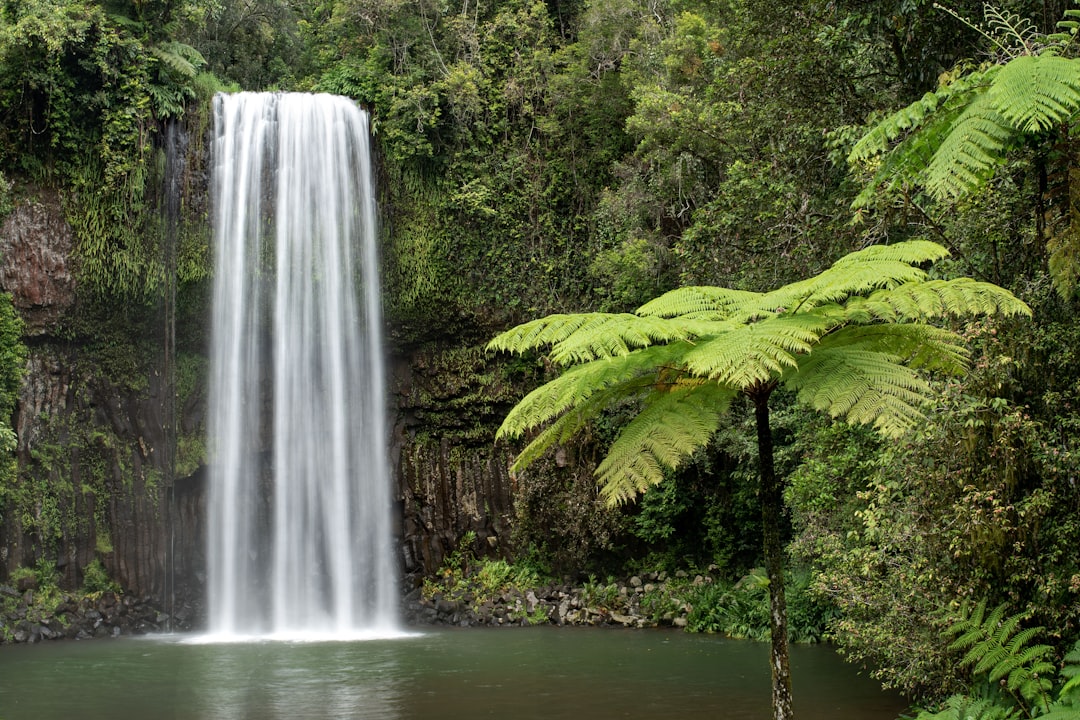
518	674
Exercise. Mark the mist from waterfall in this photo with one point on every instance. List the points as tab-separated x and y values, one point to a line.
299	507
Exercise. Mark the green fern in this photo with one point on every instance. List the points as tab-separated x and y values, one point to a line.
669	428
951	141
851	341
962	707
996	648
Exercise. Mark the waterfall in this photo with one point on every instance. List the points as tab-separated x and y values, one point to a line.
300	537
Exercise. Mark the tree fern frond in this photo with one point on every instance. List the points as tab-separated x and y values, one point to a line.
703	301
918	346
540	333
969	153
579	383
939	298
670	427
752	354
910	252
901	122
1036	92
179	57
582	337
872	268
567	425
606	336
862	386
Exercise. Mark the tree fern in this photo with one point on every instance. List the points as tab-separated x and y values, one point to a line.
851	341
950	142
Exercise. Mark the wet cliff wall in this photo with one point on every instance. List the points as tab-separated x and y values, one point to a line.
111	418
110	473
105	473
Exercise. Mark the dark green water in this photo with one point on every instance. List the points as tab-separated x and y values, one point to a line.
518	674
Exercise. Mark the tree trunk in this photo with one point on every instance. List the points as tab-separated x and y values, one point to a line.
772	503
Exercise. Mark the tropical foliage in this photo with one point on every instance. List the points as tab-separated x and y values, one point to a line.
851	342
952	140
543	157
1015	672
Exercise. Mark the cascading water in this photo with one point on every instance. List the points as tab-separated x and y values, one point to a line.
300	539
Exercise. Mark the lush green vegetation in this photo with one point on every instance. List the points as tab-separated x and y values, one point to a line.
571	155
851	341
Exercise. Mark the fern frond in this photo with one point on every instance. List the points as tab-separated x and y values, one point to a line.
1070	671
540	333
917	346
576	385
1036	92
872	268
567	425
969	153
940	298
179	57
670	427
998	650
1017	33
751	354
862	386
608	336
583	337
901	122
962	707
698	301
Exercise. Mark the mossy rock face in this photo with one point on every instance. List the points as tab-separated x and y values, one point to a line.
36	264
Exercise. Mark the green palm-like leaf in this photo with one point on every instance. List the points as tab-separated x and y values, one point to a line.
671	426
952	140
179	57
968	154
578	384
916	115
1035	92
697	301
570	423
863	387
588	336
749	355
962	707
852	342
998	650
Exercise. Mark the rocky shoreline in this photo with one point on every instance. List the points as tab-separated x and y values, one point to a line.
648	600
82	617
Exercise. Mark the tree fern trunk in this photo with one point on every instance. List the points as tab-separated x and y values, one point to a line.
772	499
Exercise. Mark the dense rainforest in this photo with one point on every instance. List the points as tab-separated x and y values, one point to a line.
548	156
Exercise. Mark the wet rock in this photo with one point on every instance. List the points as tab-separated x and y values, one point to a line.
36	262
